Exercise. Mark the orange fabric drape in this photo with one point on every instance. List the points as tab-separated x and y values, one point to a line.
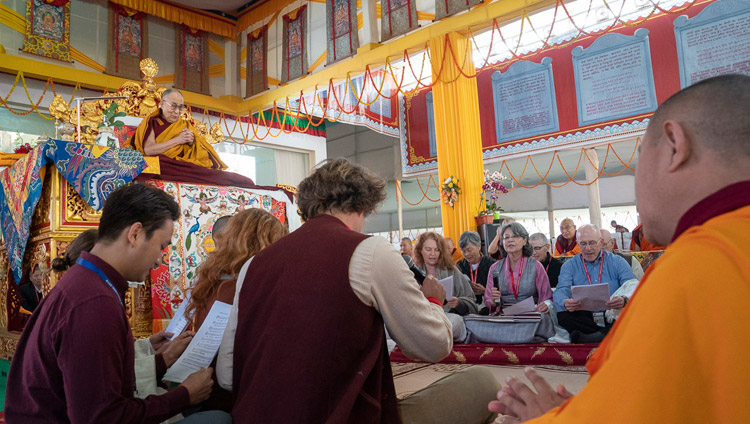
193	18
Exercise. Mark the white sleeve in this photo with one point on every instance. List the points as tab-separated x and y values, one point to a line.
380	278
224	366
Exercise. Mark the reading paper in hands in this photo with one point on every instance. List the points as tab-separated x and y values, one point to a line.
202	349
178	323
447	283
593	297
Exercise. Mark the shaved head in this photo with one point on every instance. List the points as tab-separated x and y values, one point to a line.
219	226
697	143
568	229
713	112
607	241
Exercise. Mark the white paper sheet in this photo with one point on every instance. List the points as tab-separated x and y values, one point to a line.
522	307
179	323
592	297
448	284
202	349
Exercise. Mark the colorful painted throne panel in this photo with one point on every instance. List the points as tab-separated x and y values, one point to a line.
200	207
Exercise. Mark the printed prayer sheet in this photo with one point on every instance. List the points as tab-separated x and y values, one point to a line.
448	284
593	297
202	349
522	307
179	322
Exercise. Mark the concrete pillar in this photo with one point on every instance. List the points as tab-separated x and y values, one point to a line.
399	200
551	218
369	38
591	166
232	85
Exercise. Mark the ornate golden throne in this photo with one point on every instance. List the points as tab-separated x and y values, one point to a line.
61	214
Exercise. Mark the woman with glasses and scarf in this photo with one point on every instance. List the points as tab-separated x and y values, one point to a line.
517	277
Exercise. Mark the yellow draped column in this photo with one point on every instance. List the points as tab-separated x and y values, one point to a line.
457	130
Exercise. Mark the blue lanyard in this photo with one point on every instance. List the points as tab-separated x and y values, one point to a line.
101	274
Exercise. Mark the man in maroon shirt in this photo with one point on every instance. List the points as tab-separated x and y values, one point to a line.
75	359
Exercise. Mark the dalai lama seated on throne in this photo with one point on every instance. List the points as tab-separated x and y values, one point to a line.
166	133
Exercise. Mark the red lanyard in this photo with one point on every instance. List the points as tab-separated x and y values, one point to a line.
473	274
601	267
513	286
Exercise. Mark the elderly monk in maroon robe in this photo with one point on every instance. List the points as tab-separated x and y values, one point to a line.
567	244
165	133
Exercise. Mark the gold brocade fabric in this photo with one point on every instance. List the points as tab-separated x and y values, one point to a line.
200	152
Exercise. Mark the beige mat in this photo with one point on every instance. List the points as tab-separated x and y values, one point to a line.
411	377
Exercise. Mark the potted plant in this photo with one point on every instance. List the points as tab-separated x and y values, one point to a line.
491	189
107	126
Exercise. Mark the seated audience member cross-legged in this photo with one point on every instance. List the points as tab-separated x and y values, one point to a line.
305	342
431	254
406	247
474	265
75	359
166	133
608	244
518	277
246	233
674	355
540	245
567	243
593	265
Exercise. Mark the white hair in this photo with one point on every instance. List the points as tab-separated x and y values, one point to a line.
594	227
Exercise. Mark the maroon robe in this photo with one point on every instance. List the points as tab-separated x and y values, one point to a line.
307	350
75	359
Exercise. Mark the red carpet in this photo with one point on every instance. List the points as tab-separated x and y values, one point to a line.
520	354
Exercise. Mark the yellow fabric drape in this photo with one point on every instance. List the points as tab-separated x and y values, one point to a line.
76	55
258	14
12	19
216	48
200	152
182	15
319	61
457	131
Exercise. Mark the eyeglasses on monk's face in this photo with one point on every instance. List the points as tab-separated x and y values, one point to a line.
540	248
174	106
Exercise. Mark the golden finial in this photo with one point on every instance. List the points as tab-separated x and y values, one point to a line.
149	68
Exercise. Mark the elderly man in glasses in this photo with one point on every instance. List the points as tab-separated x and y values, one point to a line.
552	265
592	266
165	133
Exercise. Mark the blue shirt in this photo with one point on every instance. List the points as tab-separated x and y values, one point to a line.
615	272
